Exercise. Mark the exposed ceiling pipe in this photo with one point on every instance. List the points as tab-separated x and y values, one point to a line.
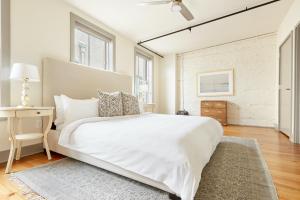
247	9
150	50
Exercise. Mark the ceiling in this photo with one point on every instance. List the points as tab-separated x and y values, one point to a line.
143	22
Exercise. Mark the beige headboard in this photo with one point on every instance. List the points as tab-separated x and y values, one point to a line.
77	81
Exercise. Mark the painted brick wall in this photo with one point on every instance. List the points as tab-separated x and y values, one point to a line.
254	64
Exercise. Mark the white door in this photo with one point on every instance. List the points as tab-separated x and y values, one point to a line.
285	86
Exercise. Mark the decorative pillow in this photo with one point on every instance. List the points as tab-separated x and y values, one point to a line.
110	104
75	109
130	104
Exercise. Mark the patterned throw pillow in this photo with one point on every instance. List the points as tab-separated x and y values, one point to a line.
110	104
130	104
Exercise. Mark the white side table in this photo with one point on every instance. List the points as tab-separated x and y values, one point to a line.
16	139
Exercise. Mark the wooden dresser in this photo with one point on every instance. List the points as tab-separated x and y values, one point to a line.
215	109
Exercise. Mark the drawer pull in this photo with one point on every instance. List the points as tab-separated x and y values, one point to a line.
38	112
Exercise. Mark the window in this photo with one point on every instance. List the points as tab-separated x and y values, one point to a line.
143	78
91	45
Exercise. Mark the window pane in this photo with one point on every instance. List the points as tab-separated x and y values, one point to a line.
110	56
150	82
136	77
143	78
81	47
97	52
142	67
91	45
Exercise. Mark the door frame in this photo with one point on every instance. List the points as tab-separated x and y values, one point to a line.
296	128
290	35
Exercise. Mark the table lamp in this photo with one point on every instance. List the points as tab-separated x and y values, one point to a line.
26	73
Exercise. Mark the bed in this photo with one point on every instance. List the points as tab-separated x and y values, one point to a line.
166	152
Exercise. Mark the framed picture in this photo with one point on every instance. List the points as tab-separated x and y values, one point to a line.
215	83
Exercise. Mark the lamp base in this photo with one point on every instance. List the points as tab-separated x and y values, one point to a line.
24	97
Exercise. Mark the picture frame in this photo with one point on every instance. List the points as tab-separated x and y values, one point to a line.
219	83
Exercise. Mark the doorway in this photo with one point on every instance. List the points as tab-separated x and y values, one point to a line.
297	86
285	85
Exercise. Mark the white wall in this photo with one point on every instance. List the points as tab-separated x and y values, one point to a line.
290	21
41	28
254	64
167	85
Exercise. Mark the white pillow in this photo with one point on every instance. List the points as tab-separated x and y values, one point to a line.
59	110
75	109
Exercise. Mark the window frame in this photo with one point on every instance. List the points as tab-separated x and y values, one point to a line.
139	52
95	31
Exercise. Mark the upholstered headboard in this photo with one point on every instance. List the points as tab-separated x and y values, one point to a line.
79	81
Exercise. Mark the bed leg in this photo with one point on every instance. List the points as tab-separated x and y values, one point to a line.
174	197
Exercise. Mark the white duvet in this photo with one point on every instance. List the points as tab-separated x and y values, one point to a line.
166	148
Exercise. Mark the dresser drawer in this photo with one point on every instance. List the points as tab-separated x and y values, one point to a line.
213	104
207	104
213	112
219	104
215	109
33	113
205	111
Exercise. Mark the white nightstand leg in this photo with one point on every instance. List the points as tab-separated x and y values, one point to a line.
19	147
11	156
47	148
50	118
12	145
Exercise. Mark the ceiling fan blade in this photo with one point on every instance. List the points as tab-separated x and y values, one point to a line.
151	3
186	13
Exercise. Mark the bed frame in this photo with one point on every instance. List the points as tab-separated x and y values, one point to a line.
79	81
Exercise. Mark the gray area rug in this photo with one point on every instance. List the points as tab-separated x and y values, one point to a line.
236	171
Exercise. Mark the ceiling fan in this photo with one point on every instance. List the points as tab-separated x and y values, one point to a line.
177	6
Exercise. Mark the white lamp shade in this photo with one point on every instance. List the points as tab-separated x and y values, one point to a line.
21	71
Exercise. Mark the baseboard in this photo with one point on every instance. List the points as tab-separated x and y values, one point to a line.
255	126
26	151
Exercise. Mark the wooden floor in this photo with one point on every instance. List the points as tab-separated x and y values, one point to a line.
283	159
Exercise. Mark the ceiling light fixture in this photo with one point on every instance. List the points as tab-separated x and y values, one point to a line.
176	7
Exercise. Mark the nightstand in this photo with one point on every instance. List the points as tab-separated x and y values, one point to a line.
13	114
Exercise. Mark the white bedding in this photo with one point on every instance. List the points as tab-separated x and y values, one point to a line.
169	149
